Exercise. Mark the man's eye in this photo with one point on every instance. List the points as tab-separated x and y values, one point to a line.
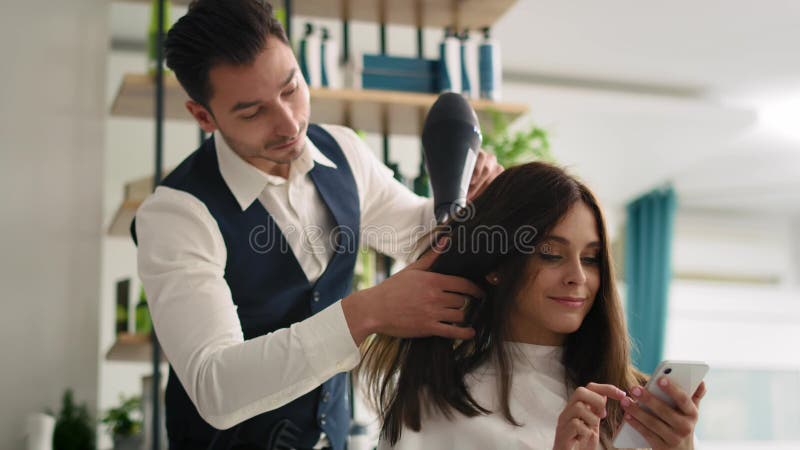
251	116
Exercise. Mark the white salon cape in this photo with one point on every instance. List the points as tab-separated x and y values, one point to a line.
538	395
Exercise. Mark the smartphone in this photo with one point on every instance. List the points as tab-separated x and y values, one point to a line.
685	374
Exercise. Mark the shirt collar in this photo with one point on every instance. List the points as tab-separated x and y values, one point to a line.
246	182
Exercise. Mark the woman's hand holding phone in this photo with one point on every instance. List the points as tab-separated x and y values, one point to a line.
662	425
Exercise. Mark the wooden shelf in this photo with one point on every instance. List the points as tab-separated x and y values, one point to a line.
132	348
373	111
120	225
472	14
136	192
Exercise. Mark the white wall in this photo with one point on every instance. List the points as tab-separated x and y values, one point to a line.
728	245
732	326
794	246
51	123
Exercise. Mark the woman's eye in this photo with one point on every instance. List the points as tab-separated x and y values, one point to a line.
591	260
290	91
549	257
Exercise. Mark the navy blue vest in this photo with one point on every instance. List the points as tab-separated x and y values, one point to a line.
271	291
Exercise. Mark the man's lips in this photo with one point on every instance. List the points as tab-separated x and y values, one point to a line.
286	145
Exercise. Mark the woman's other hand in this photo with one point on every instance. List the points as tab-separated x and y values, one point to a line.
579	423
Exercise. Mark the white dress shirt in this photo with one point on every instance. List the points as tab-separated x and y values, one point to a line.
182	257
538	395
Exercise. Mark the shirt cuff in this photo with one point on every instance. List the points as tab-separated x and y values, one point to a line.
424	243
327	342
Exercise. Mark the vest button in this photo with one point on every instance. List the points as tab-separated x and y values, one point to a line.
325	397
322	420
316	296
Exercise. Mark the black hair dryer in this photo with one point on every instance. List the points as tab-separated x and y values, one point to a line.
451	139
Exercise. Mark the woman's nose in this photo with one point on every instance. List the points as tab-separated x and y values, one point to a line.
576	273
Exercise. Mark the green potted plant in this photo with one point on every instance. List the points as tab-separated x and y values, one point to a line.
74	429
125	423
531	144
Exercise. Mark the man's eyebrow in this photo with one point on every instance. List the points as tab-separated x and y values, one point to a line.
244	105
289	78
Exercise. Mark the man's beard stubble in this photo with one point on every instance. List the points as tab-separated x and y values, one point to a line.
263	152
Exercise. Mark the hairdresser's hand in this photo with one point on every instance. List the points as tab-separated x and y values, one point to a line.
663	426
486	170
578	425
412	303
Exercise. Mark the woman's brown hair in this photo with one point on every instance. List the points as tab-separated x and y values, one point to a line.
405	378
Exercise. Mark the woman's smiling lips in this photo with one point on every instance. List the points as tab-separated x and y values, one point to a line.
572	302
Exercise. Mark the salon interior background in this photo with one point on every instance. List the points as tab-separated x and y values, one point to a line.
704	95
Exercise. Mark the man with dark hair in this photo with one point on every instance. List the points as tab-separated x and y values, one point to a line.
247	248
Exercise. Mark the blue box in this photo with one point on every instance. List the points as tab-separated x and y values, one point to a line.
402	65
425	84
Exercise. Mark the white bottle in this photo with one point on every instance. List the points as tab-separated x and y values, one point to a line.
450	63
331	76
470	76
39	431
491	75
309	56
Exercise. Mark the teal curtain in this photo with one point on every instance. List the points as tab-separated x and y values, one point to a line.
648	272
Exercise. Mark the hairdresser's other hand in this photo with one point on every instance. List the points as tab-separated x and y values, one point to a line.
664	427
486	170
578	425
412	303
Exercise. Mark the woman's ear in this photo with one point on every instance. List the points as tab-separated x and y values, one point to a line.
493	278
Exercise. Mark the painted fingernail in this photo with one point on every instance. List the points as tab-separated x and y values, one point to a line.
628	417
605	413
663	381
637	391
626	402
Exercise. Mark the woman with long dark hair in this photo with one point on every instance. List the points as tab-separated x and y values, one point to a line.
549	365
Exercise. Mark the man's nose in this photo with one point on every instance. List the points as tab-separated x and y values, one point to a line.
285	124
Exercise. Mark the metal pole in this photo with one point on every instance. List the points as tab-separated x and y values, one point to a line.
420	47
159	157
345	41
385	148
383	38
387	261
421	182
288	5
